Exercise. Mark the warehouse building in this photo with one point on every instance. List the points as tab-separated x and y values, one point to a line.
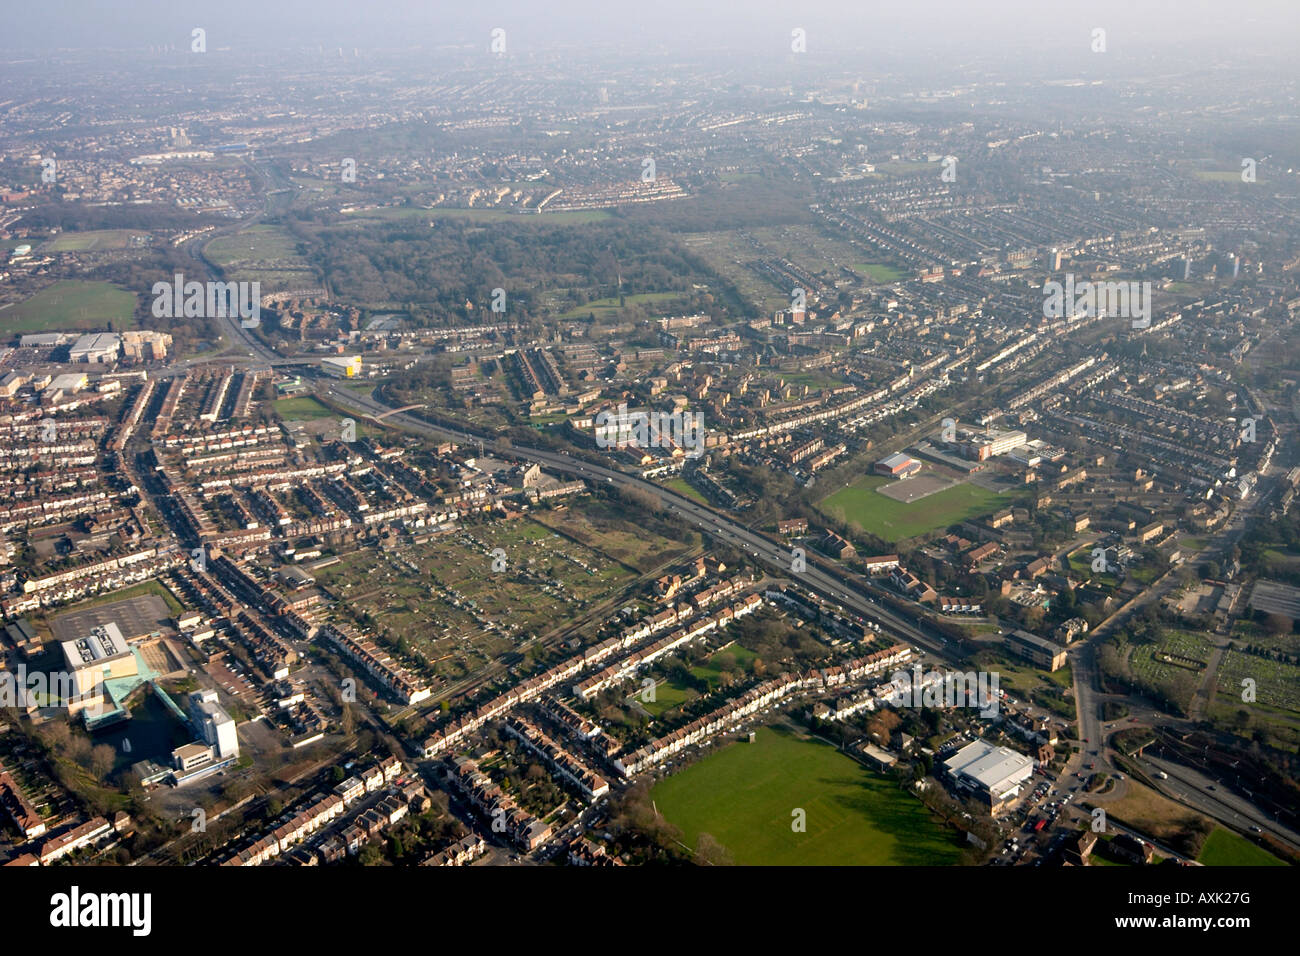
992	774
898	465
96	348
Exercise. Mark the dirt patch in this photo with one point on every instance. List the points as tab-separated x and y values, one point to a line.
914	489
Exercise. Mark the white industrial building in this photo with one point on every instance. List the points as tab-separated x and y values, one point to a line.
97	348
994	774
342	366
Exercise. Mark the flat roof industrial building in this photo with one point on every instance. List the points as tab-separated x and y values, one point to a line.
993	773
898	465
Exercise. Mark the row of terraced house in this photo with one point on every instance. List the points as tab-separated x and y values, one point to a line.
751	702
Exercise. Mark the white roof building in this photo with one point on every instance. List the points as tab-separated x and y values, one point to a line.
995	771
95	347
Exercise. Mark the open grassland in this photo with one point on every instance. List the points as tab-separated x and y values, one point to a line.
1152	813
607	308
302	408
94	241
255	246
862	506
1225	848
745	795
71	304
878	272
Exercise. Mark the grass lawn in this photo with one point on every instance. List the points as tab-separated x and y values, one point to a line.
93	240
878	272
1081	564
667	695
1147	660
302	408
1225	848
603	308
745	794
256	245
72	304
711	669
859	504
685	489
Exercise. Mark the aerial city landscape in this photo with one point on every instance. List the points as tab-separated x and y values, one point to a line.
498	447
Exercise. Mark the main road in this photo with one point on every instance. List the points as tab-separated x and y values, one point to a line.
827	581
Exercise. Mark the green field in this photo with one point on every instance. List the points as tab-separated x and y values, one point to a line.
264	254
685	489
258	245
670	693
302	408
94	240
877	272
71	304
1225	848
860	505
745	794
603	308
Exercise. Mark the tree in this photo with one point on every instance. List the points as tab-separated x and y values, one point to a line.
709	852
1278	625
102	758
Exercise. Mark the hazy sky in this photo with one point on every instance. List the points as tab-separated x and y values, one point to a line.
1201	28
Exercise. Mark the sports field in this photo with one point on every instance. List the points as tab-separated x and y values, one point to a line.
860	504
745	794
71	304
95	240
878	271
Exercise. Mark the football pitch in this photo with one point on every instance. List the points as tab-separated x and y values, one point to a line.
745	797
862	505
